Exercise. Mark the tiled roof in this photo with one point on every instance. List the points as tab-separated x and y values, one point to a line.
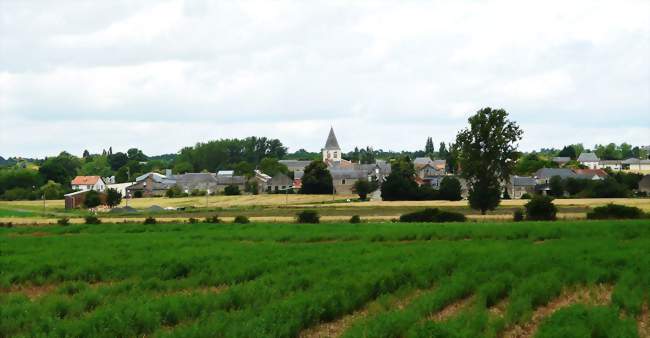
550	172
588	157
85	180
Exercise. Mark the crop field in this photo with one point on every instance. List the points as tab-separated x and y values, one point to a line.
529	279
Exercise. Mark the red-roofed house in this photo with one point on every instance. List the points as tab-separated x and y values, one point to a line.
88	183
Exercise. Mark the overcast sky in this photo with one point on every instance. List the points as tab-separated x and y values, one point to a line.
160	75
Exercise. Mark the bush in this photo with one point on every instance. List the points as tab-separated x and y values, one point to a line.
174	191
615	211
231	190
541	208
93	220
518	215
308	216
193	220
212	219
63	221
198	192
450	189
137	194
6	224
149	220
526	196
92	199
432	215
355	219
241	219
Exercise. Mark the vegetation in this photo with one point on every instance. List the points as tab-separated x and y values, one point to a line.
489	142
113	197
518	215
363	187
432	215
149	220
241	219
92	199
189	280
355	219
63	221
541	208
308	216
615	211
231	190
92	219
214	219
317	179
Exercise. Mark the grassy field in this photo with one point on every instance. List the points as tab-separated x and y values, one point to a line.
559	279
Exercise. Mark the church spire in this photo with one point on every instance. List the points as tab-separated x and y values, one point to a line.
332	143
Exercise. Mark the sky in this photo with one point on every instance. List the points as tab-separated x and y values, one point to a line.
162	75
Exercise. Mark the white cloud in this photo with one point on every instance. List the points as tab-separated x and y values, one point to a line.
385	73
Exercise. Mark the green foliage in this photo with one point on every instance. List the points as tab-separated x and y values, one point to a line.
113	197
355	219
400	184
541	208
568	151
214	219
532	162
582	321
317	179
363	187
308	216
63	221
615	211
201	192
192	220
231	190
450	189
489	142
96	166
174	191
241	220
52	190
556	186
432	215
182	168
272	167
92	219
18	178
92	199
61	169
518	215
149	220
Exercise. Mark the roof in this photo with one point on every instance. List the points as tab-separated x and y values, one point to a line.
225	172
609	162
635	161
295	163
156	177
85	180
195	178
591	172
422	160
561	159
588	157
348	174
550	172
80	192
523	181
332	143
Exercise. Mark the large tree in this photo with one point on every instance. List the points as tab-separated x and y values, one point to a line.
317	179
487	152
400	184
61	169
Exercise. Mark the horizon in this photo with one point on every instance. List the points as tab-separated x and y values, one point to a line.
163	75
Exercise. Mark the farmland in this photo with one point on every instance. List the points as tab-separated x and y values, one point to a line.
558	279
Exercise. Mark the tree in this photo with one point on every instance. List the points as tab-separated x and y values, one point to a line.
96	165
568	151
61	169
400	184
556	186
92	199
86	154
182	168
487	154
317	179
136	154
442	150
52	190
450	189
231	190
363	187
113	197
531	163
272	167
506	194
540	208
117	160
428	148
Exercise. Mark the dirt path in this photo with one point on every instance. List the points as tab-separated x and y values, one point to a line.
451	309
643	322
499	309
337	328
600	295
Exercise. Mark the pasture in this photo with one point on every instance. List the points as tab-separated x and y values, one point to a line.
529	279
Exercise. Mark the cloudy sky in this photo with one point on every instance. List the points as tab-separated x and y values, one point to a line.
160	75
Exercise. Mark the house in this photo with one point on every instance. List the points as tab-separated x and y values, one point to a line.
120	187
88	183
343	180
543	177
635	164
76	199
520	185
561	161
611	164
150	184
644	184
589	160
278	183
196	181
591	174
227	178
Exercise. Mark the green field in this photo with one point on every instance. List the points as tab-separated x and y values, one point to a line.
557	279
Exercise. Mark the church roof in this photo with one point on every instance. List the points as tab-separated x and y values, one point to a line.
332	143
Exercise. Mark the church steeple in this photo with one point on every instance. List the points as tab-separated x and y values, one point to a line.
332	151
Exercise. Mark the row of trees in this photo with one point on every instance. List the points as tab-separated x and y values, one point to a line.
615	186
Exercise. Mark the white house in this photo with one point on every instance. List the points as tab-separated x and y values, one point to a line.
88	183
590	160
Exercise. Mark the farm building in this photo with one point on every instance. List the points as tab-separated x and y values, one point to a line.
520	185
590	160
76	199
88	183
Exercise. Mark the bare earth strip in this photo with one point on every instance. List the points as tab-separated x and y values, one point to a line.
600	295
499	309
644	322
34	292
451	309
338	327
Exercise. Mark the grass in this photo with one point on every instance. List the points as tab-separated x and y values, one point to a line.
274	280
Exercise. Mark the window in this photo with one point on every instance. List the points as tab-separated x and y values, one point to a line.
335	154
342	181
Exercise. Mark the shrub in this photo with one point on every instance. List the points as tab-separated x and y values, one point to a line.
198	192
212	219
93	220
518	215
308	216
526	196
450	189
615	211
63	221
92	199
193	220
6	224
174	191
231	190
355	219
432	215
149	220
137	194
241	219
541	208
